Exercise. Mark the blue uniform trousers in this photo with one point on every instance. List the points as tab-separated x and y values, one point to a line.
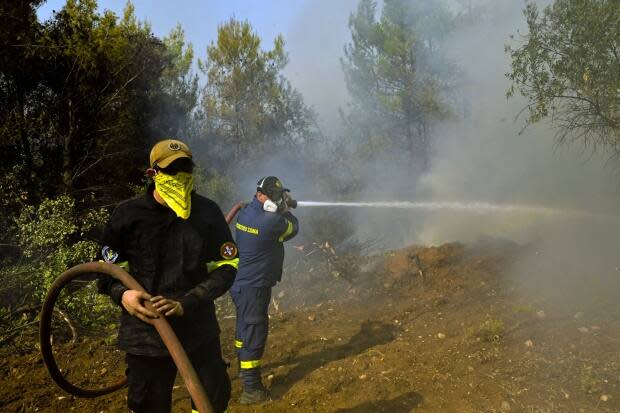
252	304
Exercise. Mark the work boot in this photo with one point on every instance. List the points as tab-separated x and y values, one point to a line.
255	396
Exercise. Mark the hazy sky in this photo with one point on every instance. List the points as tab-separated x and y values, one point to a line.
315	32
201	17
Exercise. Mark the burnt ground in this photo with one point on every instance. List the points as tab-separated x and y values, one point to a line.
440	329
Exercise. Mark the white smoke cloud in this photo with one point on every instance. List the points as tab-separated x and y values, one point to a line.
315	45
486	159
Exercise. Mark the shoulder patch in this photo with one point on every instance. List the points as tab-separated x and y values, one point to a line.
228	250
109	255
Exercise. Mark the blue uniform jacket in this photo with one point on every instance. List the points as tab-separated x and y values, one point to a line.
260	238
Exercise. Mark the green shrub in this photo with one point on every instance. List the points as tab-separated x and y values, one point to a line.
589	381
490	330
51	236
523	308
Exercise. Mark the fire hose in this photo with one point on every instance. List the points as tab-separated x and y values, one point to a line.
162	326
164	329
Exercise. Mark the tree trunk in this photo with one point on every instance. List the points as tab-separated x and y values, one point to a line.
67	176
409	132
23	141
425	141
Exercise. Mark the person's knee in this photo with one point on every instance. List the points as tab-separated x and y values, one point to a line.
257	332
256	319
135	397
150	382
213	372
142	398
217	385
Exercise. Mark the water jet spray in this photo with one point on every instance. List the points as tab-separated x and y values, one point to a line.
474	207
436	206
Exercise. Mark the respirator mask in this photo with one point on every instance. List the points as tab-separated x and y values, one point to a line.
271	206
275	203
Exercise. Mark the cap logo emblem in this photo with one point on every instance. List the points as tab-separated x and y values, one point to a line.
174	146
278	184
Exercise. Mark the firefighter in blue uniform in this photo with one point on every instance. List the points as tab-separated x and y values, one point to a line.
262	227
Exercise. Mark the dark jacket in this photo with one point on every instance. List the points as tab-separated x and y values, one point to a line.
260	237
168	256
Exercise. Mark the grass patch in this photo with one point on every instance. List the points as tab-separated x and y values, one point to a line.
523	309
491	331
589	382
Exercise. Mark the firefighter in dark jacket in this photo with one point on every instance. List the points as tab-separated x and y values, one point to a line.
178	246
262	227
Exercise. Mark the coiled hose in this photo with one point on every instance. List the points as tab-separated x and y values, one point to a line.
170	339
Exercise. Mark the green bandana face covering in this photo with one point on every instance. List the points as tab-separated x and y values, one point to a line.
176	190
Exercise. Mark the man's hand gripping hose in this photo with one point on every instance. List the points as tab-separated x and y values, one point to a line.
160	323
154	306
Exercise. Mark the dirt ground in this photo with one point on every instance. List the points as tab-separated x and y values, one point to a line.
439	329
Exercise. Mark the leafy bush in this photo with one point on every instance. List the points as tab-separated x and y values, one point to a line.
51	237
12	198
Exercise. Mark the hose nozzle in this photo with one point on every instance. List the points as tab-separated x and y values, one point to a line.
289	201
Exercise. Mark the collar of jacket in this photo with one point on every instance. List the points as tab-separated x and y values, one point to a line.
256	204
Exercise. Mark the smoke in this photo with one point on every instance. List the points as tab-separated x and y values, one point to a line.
487	159
490	158
315	44
484	158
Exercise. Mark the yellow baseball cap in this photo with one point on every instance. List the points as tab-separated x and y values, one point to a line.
167	151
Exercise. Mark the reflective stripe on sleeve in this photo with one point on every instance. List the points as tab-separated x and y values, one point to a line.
213	265
238	343
289	231
250	364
